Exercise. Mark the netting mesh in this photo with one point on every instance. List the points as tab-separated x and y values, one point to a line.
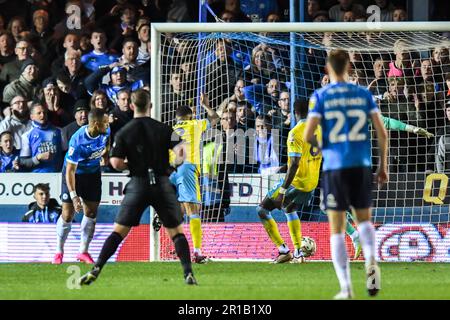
250	79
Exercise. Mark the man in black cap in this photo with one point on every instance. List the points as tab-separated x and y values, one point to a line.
81	111
26	86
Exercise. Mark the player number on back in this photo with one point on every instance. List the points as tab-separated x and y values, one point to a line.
355	133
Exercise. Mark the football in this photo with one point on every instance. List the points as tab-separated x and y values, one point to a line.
308	246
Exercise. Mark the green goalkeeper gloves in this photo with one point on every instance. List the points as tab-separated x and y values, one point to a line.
422	132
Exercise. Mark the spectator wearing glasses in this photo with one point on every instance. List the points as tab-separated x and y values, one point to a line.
281	114
12	70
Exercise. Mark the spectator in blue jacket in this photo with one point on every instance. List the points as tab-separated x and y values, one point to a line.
9	155
99	56
41	145
118	82
44	209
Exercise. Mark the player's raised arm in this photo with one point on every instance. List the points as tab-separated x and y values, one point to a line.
382	173
213	117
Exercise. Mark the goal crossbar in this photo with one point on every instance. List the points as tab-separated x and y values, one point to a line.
435	26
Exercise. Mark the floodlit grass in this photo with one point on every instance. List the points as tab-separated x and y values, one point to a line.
220	280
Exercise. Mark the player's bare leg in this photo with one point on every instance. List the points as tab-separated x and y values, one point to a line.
270	225
367	237
87	230
63	227
337	221
193	212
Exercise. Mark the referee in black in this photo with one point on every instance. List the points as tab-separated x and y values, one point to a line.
142	146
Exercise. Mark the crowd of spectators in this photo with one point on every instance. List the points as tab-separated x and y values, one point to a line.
248	81
59	59
54	68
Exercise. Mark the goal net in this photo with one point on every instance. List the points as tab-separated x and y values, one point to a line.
252	79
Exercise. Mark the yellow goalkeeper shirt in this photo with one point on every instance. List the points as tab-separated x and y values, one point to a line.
307	175
190	132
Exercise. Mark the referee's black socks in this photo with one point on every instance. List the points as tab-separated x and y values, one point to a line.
183	252
109	247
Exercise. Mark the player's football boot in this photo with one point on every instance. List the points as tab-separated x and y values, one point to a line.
200	259
58	258
89	277
358	248
85	257
373	279
298	257
190	279
283	257
344	295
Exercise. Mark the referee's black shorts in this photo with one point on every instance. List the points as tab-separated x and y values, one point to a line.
347	187
139	195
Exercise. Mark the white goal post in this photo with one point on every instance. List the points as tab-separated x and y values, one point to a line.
159	29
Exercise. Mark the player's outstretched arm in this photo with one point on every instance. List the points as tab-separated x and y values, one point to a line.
382	173
397	125
213	117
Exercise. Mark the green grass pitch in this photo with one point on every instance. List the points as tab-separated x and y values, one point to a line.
221	280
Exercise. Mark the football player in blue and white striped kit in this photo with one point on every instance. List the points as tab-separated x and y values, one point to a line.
82	183
344	110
